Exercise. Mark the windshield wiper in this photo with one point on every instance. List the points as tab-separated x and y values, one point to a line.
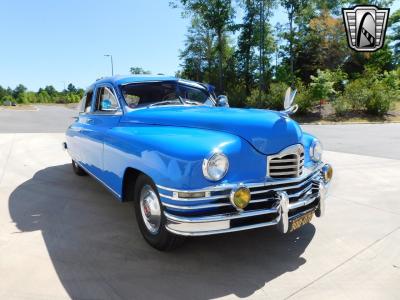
192	102
164	102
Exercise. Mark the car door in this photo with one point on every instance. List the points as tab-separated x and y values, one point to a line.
77	145
105	114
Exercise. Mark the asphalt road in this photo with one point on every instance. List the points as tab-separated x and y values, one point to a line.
46	118
381	140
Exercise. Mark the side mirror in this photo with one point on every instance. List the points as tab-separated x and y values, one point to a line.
288	106
222	101
106	105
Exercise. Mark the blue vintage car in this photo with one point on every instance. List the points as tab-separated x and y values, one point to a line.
191	164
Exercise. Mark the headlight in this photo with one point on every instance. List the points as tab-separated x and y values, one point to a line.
215	167
316	151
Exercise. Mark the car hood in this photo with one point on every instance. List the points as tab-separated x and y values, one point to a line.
268	131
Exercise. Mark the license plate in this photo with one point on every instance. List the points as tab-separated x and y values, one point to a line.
300	221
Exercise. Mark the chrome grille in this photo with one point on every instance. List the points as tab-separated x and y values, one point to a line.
286	164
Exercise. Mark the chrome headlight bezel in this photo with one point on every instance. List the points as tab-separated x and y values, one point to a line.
316	151
209	163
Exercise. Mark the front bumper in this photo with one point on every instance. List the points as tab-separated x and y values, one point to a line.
275	202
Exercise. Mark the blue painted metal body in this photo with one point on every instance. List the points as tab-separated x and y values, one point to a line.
169	143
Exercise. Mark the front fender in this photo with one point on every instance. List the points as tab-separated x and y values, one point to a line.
173	156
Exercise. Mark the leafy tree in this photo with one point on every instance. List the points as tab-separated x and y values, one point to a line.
271	100
322	85
323	46
71	89
51	90
394	23
255	34
19	91
199	54
138	71
216	15
293	9
3	92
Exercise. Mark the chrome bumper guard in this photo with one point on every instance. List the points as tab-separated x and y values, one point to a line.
273	203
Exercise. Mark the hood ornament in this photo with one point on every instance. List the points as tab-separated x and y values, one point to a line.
288	107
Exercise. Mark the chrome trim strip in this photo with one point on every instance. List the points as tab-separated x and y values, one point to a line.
219	231
312	178
305	201
194	207
195	199
305	190
286	173
262	200
219	217
272	182
272	167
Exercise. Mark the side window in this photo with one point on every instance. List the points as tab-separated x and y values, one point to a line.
106	100
86	102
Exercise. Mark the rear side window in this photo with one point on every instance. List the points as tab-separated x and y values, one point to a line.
87	101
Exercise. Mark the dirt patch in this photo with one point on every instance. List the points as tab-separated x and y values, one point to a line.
325	114
28	107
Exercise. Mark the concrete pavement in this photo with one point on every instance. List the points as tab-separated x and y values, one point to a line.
64	236
382	140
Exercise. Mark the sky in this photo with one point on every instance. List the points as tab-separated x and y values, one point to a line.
47	42
56	42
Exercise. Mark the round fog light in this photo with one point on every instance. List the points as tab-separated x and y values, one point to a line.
240	197
327	172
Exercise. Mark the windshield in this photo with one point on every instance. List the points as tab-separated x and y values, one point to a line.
164	93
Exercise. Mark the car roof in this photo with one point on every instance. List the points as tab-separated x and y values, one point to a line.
122	80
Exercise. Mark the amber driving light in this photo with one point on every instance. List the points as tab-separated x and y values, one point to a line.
240	197
327	172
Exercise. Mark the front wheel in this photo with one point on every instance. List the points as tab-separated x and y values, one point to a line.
150	217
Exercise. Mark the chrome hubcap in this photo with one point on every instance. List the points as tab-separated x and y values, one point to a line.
150	209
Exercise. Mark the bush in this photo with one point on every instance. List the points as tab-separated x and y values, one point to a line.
305	100
321	86
357	94
374	93
7	98
341	105
380	101
237	96
272	100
